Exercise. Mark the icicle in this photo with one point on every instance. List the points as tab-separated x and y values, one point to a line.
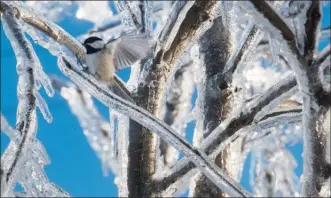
8	130
43	107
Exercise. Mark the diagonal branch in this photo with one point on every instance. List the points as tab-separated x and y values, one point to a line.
322	56
224	134
154	124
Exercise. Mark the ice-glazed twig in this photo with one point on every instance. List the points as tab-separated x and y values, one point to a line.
248	43
153	124
278	23
8	130
36	20
29	16
275	19
312	28
271	120
26	122
224	134
126	11
322	56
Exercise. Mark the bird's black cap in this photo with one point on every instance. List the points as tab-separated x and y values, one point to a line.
92	39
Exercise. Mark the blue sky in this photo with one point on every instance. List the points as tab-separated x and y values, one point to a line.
74	165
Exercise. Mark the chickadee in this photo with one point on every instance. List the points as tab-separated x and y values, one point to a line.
103	59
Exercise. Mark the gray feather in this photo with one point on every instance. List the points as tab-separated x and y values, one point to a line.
119	89
128	49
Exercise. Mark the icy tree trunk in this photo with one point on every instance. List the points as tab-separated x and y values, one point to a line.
150	93
214	51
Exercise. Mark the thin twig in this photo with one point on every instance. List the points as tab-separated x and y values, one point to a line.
322	56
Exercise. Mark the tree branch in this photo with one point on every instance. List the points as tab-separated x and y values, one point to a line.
26	111
312	27
214	51
314	96
322	56
153	124
183	26
224	134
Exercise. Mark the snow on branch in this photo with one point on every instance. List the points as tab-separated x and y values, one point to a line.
154	124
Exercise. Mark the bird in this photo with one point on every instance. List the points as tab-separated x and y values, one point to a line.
103	59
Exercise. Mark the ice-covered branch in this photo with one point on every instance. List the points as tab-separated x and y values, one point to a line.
314	96
212	105
186	20
249	41
127	14
322	56
153	124
32	177
312	28
274	18
278	24
29	16
225	133
26	123
36	20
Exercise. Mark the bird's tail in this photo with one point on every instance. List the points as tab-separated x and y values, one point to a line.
118	87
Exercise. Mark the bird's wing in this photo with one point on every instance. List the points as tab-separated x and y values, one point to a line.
128	49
